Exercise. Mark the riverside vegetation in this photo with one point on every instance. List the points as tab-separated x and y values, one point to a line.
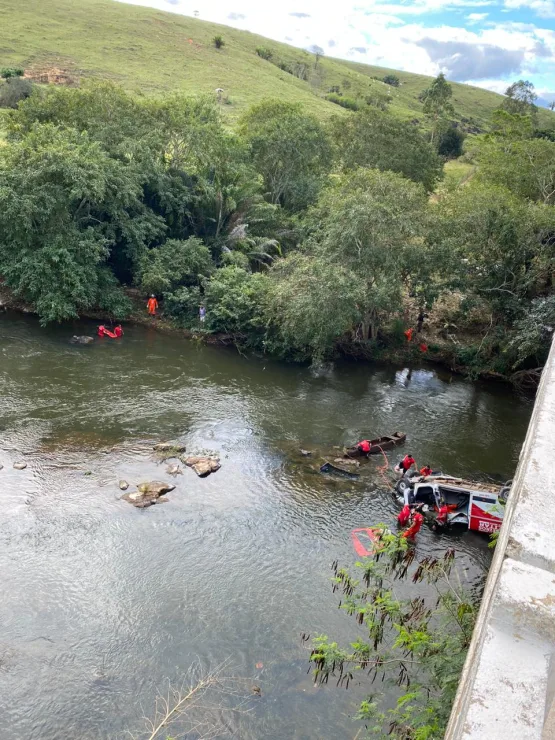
302	237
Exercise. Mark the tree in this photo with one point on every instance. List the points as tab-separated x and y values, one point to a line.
416	643
437	103
496	246
48	185
392	80
375	139
524	165
290	149
366	244
521	98
218	42
233	298
450	143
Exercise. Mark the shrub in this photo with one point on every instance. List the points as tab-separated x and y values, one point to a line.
183	305
335	89
175	262
348	103
9	72
264	53
392	80
233	298
450	143
13	91
218	42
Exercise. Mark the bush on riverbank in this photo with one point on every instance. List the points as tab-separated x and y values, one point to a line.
301	238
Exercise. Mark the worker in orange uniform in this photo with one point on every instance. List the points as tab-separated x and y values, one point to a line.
416	522
406	464
152	305
364	447
408	334
118	331
426	470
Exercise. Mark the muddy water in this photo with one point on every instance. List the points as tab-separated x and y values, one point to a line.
103	603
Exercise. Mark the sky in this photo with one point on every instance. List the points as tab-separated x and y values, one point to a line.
489	43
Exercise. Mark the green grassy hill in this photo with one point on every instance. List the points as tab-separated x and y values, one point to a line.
151	51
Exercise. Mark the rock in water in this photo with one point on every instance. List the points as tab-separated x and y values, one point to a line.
148	494
1	466
175	447
306	453
174	470
347	461
203	466
81	340
124	485
20	465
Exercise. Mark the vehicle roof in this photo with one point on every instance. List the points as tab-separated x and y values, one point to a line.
468	485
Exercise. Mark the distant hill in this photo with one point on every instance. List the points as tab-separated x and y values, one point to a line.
151	51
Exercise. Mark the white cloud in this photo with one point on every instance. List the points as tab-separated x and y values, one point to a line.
476	17
542	8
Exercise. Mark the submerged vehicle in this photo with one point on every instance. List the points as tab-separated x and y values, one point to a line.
327	467
377	445
453	501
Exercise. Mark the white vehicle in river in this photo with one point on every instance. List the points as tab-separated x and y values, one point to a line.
455	501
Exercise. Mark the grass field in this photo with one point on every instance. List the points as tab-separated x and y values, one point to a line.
150	51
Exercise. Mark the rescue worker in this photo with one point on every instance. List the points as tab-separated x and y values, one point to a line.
408	334
152	305
118	331
406	463
364	447
426	470
404	515
101	330
416	522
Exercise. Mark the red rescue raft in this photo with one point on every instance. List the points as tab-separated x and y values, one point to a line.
368	533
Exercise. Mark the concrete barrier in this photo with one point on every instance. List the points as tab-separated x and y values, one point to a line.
507	687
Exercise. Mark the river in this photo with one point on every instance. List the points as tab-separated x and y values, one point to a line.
102	603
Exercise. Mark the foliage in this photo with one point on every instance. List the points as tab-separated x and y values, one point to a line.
264	53
437	103
496	246
218	42
378	99
175	263
520	98
534	332
392	80
233	299
290	149
366	243
415	643
13	91
377	140
450	142
48	185
9	72
338	99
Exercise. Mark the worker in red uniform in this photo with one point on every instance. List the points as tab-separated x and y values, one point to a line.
406	463
152	305
408	334
364	447
100	331
118	331
416	522
426	470
404	515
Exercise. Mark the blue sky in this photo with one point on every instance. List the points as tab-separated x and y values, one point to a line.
489	43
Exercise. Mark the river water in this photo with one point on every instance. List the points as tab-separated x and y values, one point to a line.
102	603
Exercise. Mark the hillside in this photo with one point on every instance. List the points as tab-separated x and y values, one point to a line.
151	51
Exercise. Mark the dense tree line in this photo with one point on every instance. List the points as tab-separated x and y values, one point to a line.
298	236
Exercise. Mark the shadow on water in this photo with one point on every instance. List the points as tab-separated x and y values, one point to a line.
103	602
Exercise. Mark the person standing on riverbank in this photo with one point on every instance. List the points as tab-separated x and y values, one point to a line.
152	305
202	314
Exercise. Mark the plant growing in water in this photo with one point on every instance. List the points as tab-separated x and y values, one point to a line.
416	643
